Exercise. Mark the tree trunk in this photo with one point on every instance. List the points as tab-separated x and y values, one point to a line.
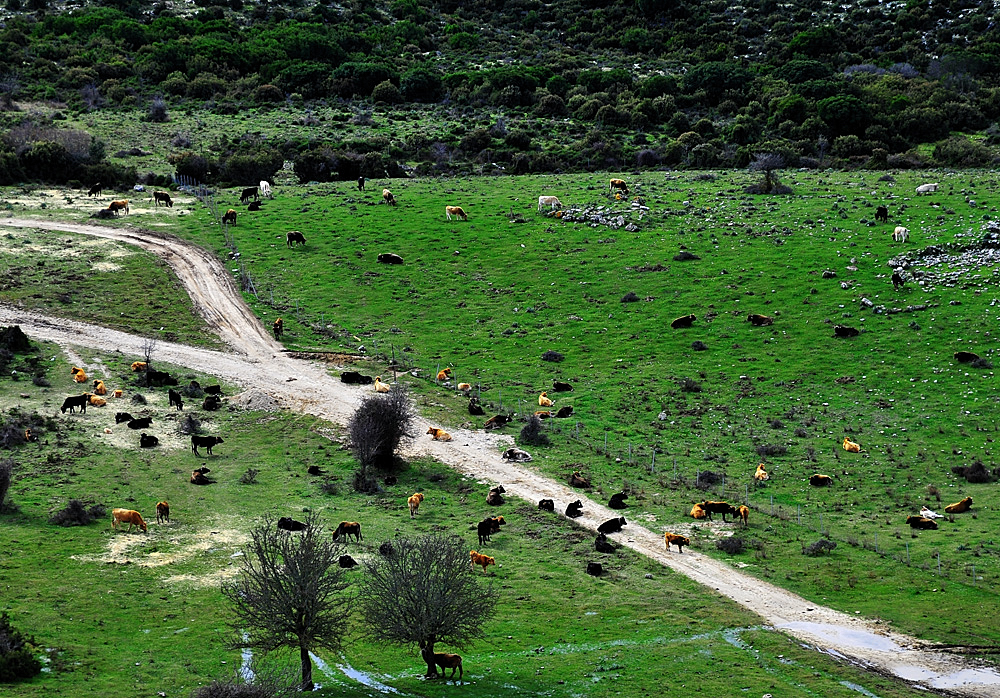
427	652
307	669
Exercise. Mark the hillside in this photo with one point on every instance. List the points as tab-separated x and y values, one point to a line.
519	87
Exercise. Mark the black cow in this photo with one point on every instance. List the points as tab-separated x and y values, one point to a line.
355	378
96	190
575	509
286	523
123	417
163	196
724	508
390	258
254	206
560	387
484	528
293	236
845	331
818	480
160	377
516	455
74	401
347	562
882	214
475	409
140	423
602	545
965	357
205	442
249	193
148	440
612	525
361	183
494	498
213	390
175	399
683	321
564	411
546	505
897	280
595	569
198	477
497	421
211	403
618	501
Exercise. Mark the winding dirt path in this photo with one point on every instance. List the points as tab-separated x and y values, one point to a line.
256	361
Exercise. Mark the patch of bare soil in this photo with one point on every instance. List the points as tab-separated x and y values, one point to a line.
257	362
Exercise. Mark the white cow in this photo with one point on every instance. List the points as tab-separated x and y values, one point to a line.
265	189
552	201
927	188
900	234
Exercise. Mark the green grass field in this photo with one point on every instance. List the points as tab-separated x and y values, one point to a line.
489	296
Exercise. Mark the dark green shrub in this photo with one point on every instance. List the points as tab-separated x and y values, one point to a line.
76	513
421	85
316	165
251	167
268	94
190	164
17	650
551	105
533	432
959	151
823	545
732	545
206	86
386	92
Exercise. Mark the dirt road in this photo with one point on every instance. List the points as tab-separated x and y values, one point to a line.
256	361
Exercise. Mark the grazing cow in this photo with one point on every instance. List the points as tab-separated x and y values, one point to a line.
229	217
198	477
139	366
74	401
617	185
612	525
897	280
96	190
851	447
265	189
414	503
99	388
464	387
497	421
444	374
882	214
674	539
697	512
148	440
116	206
449	661
683	321
163	196
249	193
79	375
439	434
361	183
603	545
123	417
578	480
965	357
483	560
129	516
761	474
278	328
618	501
564	412
493	498
475	409
390	258
595	569
97	401
744	512
516	455
487	527
388	198
927	188
254	206
140	423
552	201
560	387
843	331
544	400
818	480
900	234
347	562
162	512
286	523
381	387
546	505
930	514
206	442
574	509
294	236
759	320
348	529
959	507
455	211
314	470
213	389
922	523
175	399
355	378
724	508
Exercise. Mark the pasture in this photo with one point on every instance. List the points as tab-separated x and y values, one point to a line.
490	296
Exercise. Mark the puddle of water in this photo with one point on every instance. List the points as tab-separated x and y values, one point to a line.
860	689
958	679
365	679
844	636
246	672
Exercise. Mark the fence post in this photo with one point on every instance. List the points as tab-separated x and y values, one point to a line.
746	494
652	466
772	506
798	513
876	542
821	523
939	562
907	553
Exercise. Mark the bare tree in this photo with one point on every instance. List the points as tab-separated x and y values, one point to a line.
425	592
768	163
290	592
148	349
377	428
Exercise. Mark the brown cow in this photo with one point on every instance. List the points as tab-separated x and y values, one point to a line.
229	217
132	518
679	541
162	512
959	507
348	529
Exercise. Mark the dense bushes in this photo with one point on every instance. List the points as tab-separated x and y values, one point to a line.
17	653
